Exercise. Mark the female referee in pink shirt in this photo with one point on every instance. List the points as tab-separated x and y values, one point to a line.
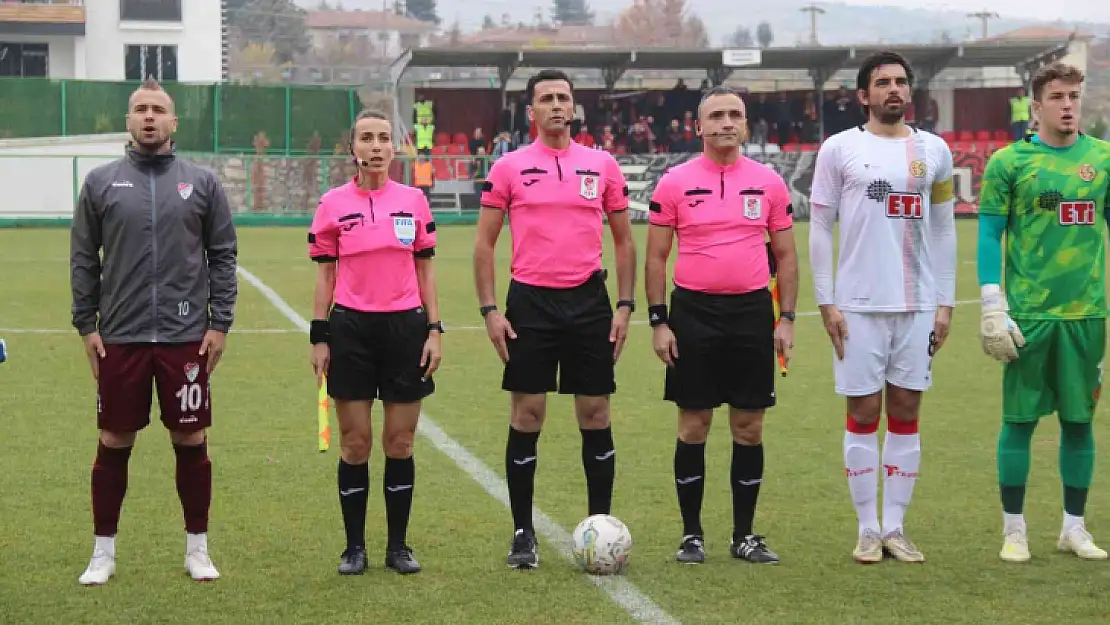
375	330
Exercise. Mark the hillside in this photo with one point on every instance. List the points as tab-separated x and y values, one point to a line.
841	24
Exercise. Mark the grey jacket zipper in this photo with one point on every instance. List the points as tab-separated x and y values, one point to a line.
153	259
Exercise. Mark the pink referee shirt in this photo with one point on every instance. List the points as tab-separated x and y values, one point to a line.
376	236
556	200
721	217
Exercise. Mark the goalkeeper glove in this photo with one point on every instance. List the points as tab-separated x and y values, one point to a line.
998	333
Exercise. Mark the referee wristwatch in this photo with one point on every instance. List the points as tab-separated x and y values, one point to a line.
787	315
631	304
437	326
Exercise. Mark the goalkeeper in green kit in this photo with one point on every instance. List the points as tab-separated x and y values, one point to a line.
1049	194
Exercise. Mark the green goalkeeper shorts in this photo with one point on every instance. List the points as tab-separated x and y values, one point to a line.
1059	370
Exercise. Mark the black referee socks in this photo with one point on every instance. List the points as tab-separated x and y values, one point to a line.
746	476
354	481
689	480
520	473
599	459
397	484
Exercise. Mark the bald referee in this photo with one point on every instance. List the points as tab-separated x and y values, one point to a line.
719	339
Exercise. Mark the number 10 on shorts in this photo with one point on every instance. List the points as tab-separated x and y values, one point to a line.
191	395
904	206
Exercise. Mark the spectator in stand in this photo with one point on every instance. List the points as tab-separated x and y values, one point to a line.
608	141
660	113
811	123
579	119
689	128
841	113
502	145
676	138
639	141
479	166
783	116
584	138
477	141
757	120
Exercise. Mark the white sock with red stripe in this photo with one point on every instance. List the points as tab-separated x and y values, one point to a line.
861	465
901	459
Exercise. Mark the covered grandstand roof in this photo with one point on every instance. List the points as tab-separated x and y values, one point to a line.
989	53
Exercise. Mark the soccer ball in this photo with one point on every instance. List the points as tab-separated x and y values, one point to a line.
602	545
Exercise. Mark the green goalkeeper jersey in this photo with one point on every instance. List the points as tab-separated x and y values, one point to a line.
1054	201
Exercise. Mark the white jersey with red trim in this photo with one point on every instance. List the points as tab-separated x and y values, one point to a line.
892	196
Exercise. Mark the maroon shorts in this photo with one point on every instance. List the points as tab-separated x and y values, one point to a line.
128	374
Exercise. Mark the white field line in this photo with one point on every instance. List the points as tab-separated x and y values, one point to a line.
260	286
620	590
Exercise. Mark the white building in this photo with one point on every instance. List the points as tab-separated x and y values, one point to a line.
173	40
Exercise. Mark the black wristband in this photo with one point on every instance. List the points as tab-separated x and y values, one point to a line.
657	314
319	331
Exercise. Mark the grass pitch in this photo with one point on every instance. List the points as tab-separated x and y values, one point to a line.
276	534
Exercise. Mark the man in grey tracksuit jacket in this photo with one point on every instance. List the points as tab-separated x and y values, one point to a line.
153	259
168	273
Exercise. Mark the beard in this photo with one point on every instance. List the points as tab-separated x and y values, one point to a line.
887	115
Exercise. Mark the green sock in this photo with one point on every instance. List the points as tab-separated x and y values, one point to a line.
1014	444
1077	464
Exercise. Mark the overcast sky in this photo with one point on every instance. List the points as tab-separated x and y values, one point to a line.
1067	10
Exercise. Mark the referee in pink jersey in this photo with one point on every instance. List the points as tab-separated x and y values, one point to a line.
375	331
719	339
559	331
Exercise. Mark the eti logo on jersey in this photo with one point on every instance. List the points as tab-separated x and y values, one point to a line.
904	206
1081	213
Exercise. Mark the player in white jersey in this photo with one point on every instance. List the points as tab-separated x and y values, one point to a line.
891	307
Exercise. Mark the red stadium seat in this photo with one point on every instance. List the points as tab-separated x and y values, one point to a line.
983	135
965	136
1002	135
440	166
810	147
948	136
460	137
442	138
460	164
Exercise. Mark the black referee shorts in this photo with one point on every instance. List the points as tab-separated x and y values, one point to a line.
561	333
726	350
376	355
